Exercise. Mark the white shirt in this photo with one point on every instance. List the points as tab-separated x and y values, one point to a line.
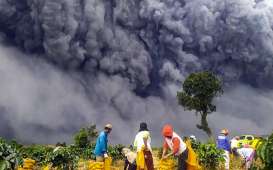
139	142
182	147
245	152
234	143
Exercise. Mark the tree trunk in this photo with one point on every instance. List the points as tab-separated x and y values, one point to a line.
205	126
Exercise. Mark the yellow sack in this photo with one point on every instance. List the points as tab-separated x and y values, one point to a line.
166	164
29	161
96	166
192	161
46	167
140	160
107	163
27	164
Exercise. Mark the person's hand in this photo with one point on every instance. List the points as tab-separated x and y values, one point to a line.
165	156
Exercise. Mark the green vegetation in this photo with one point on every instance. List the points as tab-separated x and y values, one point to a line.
265	154
9	156
208	155
199	90
86	136
36	152
62	158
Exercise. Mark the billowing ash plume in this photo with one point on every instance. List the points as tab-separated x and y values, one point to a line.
124	60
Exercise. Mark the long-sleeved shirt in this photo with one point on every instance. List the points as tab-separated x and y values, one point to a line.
101	144
223	143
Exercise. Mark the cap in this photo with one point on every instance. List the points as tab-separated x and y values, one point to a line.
109	126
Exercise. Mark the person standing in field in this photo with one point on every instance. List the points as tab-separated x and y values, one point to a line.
224	144
142	143
101	144
234	143
175	143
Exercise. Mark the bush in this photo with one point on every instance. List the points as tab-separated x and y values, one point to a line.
81	138
63	158
9	156
265	153
208	155
86	136
83	153
115	152
36	152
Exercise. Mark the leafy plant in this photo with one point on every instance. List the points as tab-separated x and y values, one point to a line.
36	152
116	152
9	156
81	138
209	156
83	153
86	136
63	158
265	153
199	89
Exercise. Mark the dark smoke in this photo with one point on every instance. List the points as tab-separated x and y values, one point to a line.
66	63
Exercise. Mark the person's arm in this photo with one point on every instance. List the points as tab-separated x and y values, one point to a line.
145	142
165	148
135	143
176	146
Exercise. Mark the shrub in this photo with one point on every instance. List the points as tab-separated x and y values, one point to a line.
86	136
209	156
36	152
9	156
64	158
265	153
115	152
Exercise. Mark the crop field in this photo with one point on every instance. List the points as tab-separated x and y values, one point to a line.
79	155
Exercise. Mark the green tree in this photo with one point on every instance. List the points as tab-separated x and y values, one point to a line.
86	136
199	89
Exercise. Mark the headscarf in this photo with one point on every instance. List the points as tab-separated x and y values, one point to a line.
143	127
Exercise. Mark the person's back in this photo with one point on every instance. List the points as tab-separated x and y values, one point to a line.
101	144
139	143
234	143
223	143
142	143
246	153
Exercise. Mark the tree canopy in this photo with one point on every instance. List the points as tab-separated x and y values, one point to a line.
199	90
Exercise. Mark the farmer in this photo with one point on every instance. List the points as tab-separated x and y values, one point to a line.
224	144
130	159
234	142
175	143
101	143
142	144
247	154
